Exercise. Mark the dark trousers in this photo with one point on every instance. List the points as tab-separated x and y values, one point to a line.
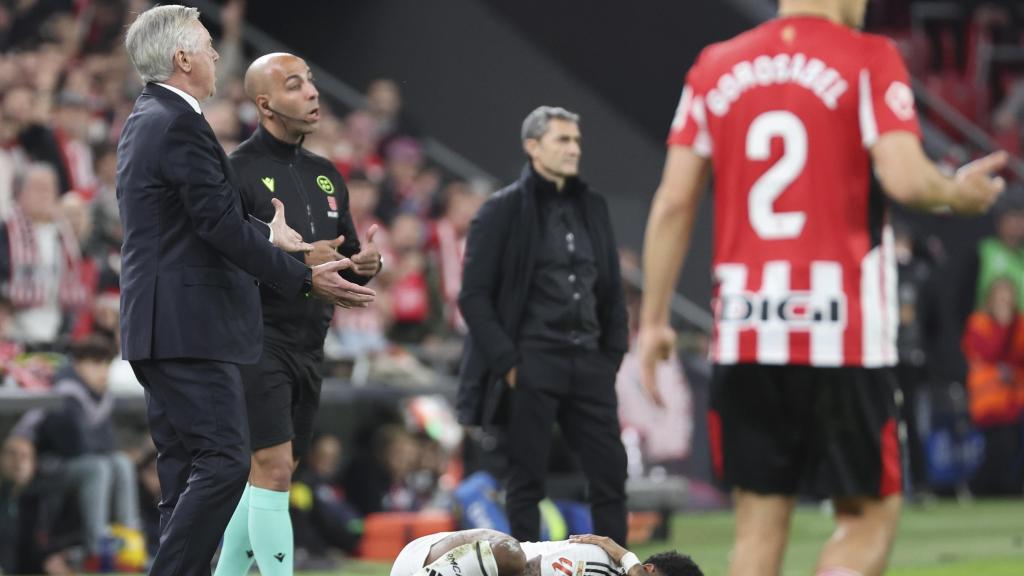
197	419
576	390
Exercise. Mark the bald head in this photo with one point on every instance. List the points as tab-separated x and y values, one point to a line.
281	86
258	76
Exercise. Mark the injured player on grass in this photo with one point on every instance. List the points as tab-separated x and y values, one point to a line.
483	552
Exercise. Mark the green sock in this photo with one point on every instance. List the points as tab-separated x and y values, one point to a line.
236	552
270	531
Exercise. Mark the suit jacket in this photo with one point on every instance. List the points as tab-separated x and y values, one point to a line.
498	269
192	258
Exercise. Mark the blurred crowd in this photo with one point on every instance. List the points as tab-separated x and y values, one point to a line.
72	481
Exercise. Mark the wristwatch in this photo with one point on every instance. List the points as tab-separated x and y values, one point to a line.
307	283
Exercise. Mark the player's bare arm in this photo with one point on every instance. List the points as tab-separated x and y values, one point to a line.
666	241
508	555
910	178
624	558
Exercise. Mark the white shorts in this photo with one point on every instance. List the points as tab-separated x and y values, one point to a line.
415	553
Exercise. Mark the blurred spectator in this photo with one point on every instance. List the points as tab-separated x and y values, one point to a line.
375	479
448	244
77	444
321	517
411	278
360	331
918	338
425	480
359	151
26	125
398	192
223	118
994	346
72	120
75	209
103	28
8	349
40	261
384	103
363	197
664	433
998	256
17	468
104	317
78	214
9	165
104	246
231	65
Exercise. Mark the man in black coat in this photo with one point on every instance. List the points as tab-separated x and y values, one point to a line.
542	296
190	303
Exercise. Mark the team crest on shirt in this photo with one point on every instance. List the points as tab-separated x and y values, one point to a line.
900	99
325	184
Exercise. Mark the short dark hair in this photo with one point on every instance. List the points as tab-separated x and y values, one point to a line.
93	347
673	563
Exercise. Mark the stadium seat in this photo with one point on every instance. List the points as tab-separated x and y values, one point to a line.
386	533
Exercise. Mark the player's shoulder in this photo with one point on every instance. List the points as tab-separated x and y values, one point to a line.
875	46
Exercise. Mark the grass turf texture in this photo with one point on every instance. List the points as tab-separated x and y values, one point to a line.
940	539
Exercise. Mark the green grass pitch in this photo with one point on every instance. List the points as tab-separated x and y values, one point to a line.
984	538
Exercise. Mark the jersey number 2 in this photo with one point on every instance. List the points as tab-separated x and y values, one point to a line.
768	223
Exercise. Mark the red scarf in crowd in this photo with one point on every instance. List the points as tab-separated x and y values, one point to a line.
28	284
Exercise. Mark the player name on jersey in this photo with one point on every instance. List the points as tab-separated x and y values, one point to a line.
804	265
812	73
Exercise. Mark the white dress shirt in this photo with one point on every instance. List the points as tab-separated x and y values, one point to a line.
185	95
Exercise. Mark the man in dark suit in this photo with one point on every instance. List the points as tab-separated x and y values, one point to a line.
542	296
190	303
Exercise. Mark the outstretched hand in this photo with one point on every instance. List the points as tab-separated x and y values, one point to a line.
324	251
283	236
330	286
977	184
367	261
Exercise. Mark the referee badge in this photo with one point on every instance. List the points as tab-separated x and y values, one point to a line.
325	184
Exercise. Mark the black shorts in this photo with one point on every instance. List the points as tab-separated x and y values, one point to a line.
282	394
805	430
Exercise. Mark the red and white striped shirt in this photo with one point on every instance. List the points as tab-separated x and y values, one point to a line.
804	270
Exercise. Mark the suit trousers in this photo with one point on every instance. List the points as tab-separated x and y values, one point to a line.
576	390
197	418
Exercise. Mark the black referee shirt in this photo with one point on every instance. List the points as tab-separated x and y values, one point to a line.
316	206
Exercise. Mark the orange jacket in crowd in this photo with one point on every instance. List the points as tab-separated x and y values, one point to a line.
995	369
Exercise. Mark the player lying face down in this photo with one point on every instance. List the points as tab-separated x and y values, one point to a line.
483	552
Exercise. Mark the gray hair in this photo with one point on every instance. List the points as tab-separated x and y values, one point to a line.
156	35
536	124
